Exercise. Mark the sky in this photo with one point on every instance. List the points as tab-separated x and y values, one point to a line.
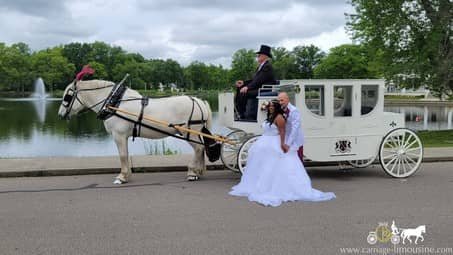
209	31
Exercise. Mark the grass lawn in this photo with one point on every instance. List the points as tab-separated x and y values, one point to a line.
443	138
403	97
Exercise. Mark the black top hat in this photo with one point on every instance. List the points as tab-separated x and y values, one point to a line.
266	50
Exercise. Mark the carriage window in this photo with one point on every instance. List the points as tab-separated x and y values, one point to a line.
314	99
342	106
369	98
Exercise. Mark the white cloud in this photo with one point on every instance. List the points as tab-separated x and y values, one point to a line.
324	41
184	30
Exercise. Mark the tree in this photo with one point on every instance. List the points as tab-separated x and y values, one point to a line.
195	75
163	71
99	70
15	67
243	65
77	54
116	56
345	62
306	59
174	72
284	64
99	52
218	77
410	38
22	48
134	69
54	69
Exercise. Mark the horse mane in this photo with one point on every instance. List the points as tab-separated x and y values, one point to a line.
93	84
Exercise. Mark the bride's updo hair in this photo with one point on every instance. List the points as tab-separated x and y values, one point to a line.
277	110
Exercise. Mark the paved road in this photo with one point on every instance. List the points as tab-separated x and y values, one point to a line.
160	213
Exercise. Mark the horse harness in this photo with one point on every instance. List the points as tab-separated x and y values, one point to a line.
114	99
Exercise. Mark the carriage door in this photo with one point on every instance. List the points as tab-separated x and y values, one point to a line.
342	103
343	130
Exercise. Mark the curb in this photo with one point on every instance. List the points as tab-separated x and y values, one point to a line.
154	169
91	171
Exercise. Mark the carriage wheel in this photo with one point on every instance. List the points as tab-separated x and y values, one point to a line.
244	153
229	154
372	238
361	163
401	153
395	239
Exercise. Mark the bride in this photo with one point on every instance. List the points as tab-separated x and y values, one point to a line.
275	174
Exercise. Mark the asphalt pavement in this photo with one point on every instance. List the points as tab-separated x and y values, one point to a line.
161	213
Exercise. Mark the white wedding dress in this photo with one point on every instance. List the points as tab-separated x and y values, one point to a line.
272	177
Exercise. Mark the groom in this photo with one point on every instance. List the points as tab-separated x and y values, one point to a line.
294	138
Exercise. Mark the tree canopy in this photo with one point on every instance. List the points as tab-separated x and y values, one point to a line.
58	65
19	67
410	39
346	62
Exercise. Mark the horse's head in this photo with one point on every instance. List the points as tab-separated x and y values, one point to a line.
94	94
423	228
70	103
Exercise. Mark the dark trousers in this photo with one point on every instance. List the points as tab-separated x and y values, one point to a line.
300	153
246	104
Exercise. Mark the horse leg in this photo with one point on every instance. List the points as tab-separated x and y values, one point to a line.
121	143
197	166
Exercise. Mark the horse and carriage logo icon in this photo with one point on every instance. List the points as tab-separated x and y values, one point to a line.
395	235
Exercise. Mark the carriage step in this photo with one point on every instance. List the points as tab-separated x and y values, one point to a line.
246	120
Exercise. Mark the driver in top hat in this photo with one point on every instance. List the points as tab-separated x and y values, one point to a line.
264	74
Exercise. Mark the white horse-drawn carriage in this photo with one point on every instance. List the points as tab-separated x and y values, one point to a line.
343	121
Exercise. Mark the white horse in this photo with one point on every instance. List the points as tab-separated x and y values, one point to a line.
417	232
177	110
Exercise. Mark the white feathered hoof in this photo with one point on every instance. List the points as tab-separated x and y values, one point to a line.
192	178
118	181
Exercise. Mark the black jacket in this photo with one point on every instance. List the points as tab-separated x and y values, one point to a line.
263	76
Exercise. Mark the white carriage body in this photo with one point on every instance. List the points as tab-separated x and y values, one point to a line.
342	119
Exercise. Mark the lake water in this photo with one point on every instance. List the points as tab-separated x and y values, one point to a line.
31	128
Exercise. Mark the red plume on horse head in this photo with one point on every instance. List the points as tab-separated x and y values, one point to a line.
85	70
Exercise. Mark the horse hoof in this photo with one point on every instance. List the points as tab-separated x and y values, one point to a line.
117	181
192	178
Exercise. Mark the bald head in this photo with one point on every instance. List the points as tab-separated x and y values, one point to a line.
283	99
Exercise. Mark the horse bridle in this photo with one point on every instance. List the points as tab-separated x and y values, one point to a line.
72	95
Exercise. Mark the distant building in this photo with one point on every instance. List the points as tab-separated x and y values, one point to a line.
161	87
392	89
173	87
